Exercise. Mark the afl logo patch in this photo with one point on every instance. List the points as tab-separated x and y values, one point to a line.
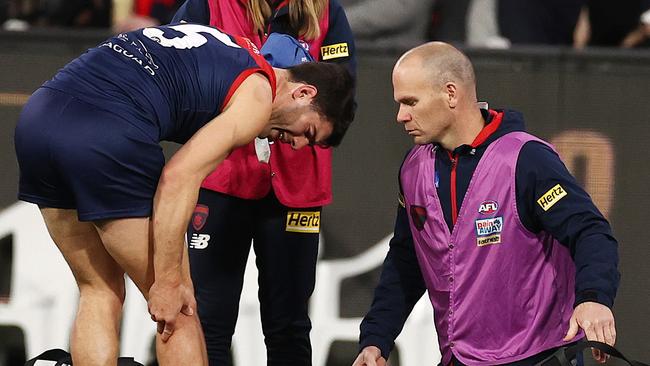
488	207
200	216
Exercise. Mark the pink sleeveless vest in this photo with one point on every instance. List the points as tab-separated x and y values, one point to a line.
500	293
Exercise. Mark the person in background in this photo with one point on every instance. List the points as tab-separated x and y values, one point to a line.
516	258
538	22
274	200
605	24
481	25
145	13
53	13
389	23
448	21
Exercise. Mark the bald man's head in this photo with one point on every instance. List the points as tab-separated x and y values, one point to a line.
435	88
441	63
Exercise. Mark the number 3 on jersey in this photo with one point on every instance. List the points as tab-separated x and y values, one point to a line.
193	36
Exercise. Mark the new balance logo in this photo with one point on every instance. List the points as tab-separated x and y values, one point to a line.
199	241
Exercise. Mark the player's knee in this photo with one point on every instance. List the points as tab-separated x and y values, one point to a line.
187	321
111	292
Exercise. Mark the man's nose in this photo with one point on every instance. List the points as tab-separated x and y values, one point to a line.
299	142
403	115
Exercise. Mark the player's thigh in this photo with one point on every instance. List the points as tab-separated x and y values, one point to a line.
83	250
129	242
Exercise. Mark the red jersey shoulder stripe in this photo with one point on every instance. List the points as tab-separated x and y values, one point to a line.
263	68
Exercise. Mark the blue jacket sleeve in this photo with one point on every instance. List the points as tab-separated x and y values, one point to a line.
400	287
573	220
339	34
193	11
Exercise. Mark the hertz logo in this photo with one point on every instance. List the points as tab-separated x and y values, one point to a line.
334	51
553	196
303	221
13	99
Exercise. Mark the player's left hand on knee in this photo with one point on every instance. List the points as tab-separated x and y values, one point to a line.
597	321
166	301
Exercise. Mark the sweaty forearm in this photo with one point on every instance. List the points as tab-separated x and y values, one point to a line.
173	205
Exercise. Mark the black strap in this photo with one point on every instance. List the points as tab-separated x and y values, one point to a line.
127	361
564	355
60	356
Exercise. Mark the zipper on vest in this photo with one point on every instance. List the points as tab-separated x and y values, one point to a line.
454	207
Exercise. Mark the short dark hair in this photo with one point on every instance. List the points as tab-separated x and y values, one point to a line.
335	97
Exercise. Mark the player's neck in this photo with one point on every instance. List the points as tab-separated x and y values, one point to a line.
282	97
281	79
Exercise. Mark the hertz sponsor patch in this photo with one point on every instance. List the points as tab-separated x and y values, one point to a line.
334	51
303	221
550	198
488	240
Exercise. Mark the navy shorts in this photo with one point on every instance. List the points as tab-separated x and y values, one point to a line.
74	155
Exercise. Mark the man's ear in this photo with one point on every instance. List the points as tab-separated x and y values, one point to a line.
452	94
304	91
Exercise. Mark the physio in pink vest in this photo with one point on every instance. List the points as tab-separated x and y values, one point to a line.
516	259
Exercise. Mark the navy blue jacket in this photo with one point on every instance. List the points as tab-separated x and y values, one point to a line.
575	222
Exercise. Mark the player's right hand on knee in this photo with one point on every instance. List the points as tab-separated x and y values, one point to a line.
370	356
166	301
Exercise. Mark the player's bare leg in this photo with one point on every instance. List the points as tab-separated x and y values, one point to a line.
95	333
129	242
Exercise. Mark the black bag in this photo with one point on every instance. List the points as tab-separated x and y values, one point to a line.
564	355
63	358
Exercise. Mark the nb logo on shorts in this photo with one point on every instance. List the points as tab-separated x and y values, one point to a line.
199	241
